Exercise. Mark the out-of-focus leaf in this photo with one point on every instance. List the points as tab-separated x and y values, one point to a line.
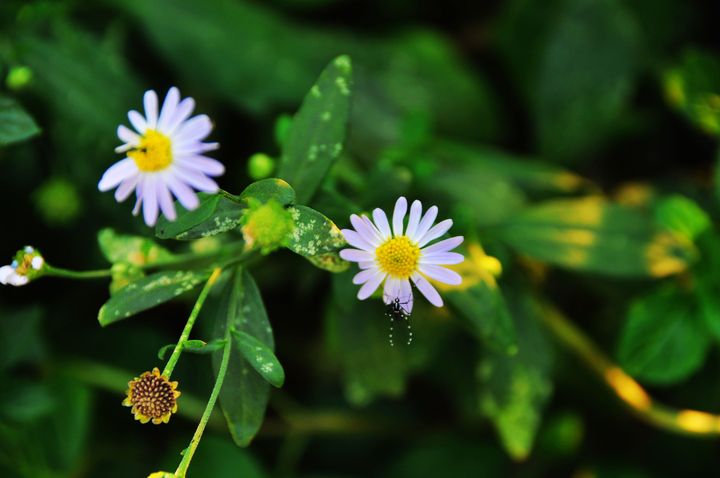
217	213
135	250
68	431
358	336
244	394
693	88
20	339
15	124
317	238
591	234
586	76
682	216
25	401
663	340
267	189
218	458
261	357
317	132
149	292
514	389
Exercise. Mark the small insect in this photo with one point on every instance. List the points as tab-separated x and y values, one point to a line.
396	311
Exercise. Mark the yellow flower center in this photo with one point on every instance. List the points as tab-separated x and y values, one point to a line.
398	257
154	152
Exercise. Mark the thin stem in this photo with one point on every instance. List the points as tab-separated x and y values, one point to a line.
191	321
59	272
190	450
629	391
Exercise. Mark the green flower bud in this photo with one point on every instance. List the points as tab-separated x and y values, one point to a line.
18	77
260	166
266	226
27	266
58	201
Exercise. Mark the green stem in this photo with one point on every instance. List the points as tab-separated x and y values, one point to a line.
59	272
190	450
191	322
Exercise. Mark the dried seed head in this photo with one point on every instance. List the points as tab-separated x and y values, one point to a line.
152	397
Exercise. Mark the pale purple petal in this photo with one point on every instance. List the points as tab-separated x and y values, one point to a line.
366	264
137	121
442	258
166	202
139	190
195	179
194	129
365	231
181	191
355	255
443	246
436	231
183	112
399	215
150	101
372	227
117	173
355	240
150	200
124	148
126	135
441	274
381	222
406	295
415	212
427	290
194	148
425	223
392	290
208	166
371	285
364	275
126	188
167	112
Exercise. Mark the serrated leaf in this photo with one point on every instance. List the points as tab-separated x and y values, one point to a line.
594	235
135	250
217	213
267	189
317	238
244	394
15	124
514	389
260	357
149	292
663	340
317	132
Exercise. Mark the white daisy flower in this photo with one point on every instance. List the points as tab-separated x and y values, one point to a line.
400	255
164	158
27	265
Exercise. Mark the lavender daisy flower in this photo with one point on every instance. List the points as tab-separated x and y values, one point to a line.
402	254
164	158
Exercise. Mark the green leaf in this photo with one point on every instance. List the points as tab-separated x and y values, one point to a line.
244	394
260	357
217	213
682	216
317	133
267	189
135	250
593	235
514	389
586	76
218	458
663	340
317	238
194	346
15	124
149	292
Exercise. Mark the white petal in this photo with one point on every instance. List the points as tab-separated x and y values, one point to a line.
441	274
399	215
139	190
5	272
17	280
436	231
167	112
194	129
427	290
150	101
117	173
355	240
181	191
137	121
392	290
366	264
415	212
442	258
425	223
150	200
443	246
166	202
382	224
406	295
126	188
37	263
183	112
364	275
194	148
124	148
355	255
126	135
367	233
203	164
371	285
195	179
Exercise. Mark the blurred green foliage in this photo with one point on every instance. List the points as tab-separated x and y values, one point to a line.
573	140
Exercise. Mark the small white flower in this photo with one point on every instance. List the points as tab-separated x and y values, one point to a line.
164	158
402	254
27	265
